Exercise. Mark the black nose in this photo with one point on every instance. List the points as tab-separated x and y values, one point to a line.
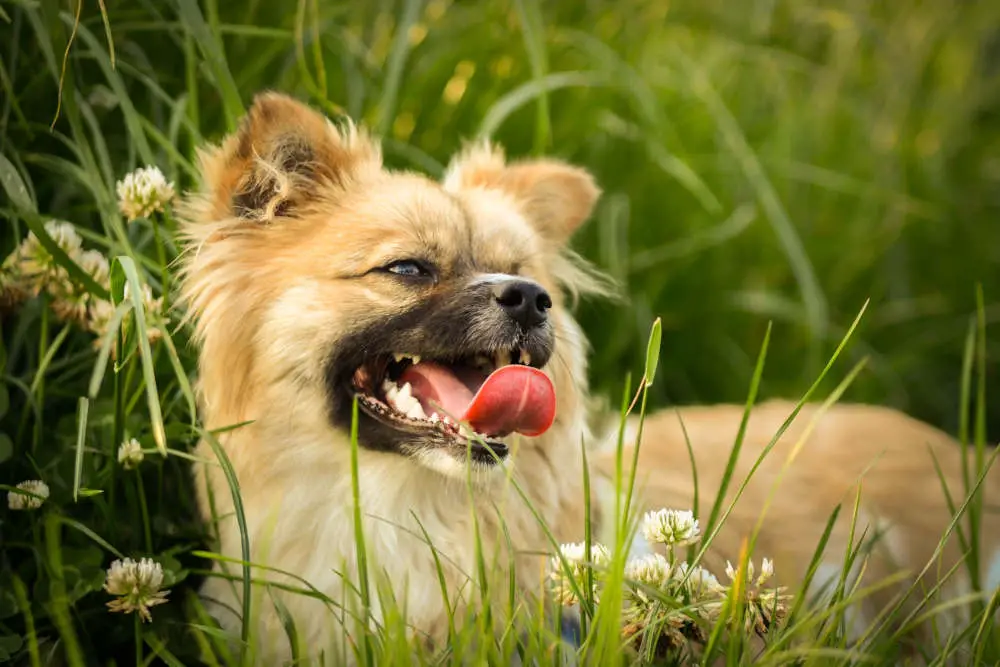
526	302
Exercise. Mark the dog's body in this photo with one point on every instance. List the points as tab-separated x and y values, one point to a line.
817	464
317	278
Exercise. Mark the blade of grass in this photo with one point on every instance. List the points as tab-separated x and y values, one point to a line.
83	406
58	599
529	16
215	59
241	520
14	186
145	355
359	543
395	66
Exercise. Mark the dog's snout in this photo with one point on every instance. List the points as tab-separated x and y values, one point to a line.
526	302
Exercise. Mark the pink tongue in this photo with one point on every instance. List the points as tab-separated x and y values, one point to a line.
513	398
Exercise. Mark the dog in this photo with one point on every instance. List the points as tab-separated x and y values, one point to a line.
320	282
421	332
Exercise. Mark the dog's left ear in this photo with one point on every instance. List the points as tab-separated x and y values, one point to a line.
281	158
554	196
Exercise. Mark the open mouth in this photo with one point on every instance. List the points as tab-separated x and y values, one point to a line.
473	400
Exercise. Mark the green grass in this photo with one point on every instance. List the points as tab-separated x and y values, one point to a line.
768	167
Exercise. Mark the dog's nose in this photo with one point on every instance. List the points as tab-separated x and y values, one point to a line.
526	302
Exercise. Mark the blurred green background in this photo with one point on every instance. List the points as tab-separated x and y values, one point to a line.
761	160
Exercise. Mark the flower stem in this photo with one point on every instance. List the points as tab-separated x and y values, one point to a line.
138	639
141	490
162	256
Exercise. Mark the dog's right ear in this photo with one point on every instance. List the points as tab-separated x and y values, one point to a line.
283	156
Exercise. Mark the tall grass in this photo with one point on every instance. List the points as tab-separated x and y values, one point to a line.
768	168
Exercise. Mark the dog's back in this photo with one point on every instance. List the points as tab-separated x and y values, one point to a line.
821	461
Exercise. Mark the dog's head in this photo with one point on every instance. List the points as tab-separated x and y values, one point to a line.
312	270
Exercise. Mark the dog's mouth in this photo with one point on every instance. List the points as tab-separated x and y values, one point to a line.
476	399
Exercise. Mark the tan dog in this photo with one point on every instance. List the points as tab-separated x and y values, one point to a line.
315	276
817	464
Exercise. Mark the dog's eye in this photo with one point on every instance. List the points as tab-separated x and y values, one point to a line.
409	268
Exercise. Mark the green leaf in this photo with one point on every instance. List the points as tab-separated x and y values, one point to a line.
83	406
9	645
145	354
14	186
87	493
653	352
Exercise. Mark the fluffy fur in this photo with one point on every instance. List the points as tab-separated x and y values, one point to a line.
880	457
292	220
284	238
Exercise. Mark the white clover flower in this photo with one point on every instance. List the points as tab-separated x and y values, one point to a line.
96	265
137	585
674	528
99	315
35	265
576	557
698	582
651	569
144	192
766	571
23	501
13	291
130	454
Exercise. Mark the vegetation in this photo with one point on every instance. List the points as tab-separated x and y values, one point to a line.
768	168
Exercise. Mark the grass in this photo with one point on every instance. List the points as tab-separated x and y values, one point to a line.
769	168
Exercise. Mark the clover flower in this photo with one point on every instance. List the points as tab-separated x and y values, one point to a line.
765	607
130	454
575	555
136	585
13	292
34	266
24	501
143	192
674	528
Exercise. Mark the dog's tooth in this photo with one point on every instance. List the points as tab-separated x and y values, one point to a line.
525	356
434	418
406	391
503	358
415	359
397	356
416	411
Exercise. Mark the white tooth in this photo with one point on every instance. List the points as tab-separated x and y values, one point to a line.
434	418
398	357
388	385
406	391
415	359
405	403
416	411
525	356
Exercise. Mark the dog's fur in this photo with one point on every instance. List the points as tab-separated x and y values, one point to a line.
284	274
817	464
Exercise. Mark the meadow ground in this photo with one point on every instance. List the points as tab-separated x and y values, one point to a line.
768	163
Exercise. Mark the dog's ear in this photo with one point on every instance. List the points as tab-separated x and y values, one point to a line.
554	196
281	157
